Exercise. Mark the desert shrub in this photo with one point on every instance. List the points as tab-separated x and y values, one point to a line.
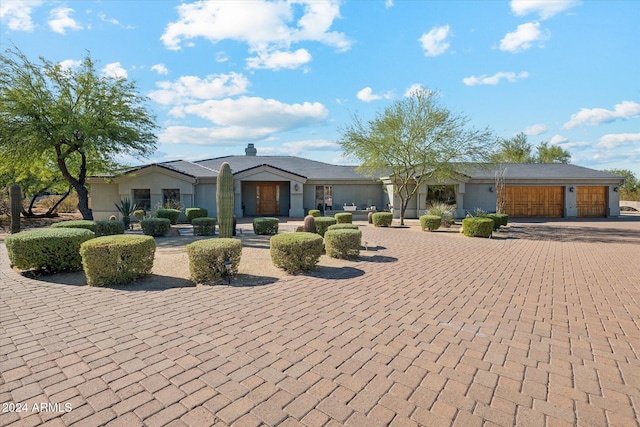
109	228
477	213
207	258
322	223
68	205
264	226
155	226
139	214
343	227
344	218
446	212
48	249
477	227
171	214
296	252
382	219
431	222
314	212
342	243
193	213
496	221
204	226
79	223
116	260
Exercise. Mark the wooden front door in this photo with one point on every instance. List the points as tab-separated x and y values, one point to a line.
267	199
522	202
591	202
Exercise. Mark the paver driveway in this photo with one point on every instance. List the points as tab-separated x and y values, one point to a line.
538	327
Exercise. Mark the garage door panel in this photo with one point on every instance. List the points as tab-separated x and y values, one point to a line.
522	202
591	201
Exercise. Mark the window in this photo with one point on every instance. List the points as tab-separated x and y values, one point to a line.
441	194
142	198
171	198
324	197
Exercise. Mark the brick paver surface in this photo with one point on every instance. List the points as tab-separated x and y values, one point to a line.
538	326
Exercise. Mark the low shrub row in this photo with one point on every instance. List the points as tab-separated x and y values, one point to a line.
204	226
155	227
193	213
171	214
268	226
100	228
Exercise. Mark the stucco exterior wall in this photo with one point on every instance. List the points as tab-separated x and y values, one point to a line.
479	196
103	195
205	197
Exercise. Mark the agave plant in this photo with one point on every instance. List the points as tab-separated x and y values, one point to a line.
126	207
444	211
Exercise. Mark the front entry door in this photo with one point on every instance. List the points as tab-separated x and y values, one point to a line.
268	199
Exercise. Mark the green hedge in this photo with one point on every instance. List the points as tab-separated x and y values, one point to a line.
343	243
477	227
155	226
296	252
343	227
79	223
496	221
431	222
382	219
48	249
171	214
503	218
323	223
139	214
344	217
116	260
204	226
264	226
207	258
193	213
314	212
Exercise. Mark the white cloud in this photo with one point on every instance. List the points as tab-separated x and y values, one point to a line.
114	70
189	89
558	139
411	90
523	37
544	8
69	64
615	139
221	57
60	20
388	3
597	116
495	79
536	129
367	95
297	147
268	28
160	69
18	14
435	42
278	60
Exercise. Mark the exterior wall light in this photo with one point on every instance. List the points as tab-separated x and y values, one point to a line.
296	187
571	189
615	189
491	189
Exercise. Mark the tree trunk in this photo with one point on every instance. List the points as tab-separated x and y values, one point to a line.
83	202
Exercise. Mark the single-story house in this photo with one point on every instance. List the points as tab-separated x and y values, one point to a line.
291	186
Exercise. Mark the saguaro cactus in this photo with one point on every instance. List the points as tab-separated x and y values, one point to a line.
224	201
15	197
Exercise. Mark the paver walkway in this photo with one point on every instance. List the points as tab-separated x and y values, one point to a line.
537	327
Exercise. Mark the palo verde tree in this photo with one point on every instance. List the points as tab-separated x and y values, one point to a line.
415	140
75	117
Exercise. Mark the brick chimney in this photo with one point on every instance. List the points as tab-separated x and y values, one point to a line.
250	150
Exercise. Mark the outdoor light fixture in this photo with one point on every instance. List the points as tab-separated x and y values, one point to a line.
571	189
296	187
227	266
491	189
615	189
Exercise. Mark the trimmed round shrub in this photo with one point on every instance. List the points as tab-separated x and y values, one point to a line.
171	214
503	218
204	226
139	214
47	249
296	252
264	226
109	228
79	223
431	222
155	226
193	213
117	260
343	227
344	218
342	243
323	223
207	258
314	212
477	227
496	221
382	219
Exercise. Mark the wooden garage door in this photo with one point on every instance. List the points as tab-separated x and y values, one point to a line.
591	201
534	202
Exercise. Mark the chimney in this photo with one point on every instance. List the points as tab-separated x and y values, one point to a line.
250	150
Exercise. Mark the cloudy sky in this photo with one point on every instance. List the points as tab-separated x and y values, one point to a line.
289	75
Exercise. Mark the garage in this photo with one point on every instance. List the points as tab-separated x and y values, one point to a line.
524	202
591	201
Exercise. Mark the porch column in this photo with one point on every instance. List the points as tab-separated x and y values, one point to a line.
460	212
296	199
237	198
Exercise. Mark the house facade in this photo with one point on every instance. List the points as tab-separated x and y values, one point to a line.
291	186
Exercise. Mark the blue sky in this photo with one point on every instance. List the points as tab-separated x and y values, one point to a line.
289	75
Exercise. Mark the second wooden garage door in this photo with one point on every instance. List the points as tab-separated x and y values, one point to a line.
591	201
545	202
